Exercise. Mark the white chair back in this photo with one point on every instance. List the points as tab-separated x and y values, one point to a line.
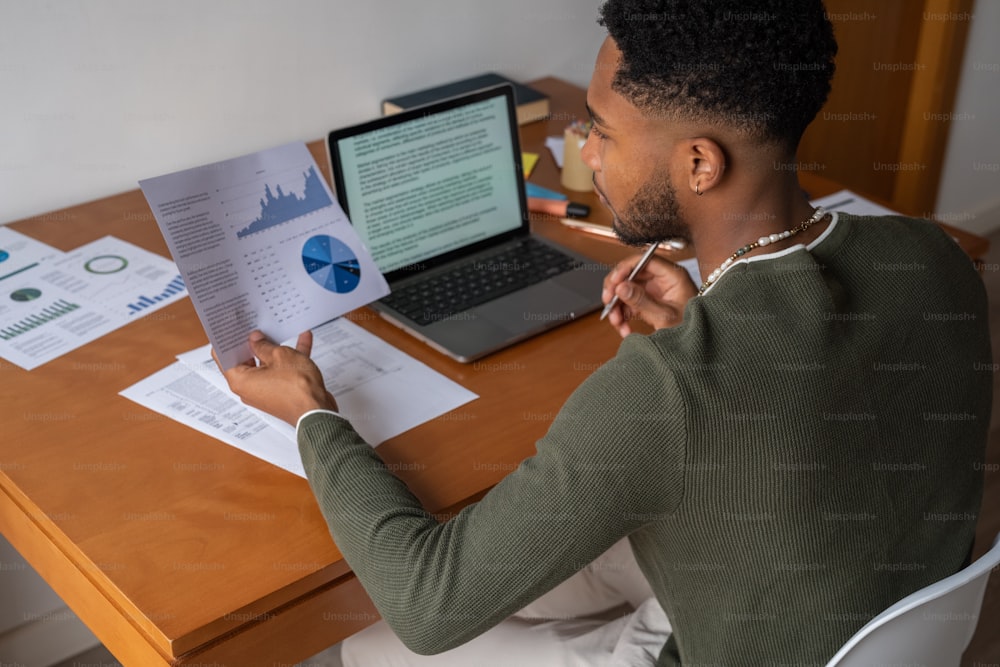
932	626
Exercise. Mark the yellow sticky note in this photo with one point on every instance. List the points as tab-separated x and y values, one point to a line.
529	160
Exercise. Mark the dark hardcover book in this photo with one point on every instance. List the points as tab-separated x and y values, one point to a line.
531	104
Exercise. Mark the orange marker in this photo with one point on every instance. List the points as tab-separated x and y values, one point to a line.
559	208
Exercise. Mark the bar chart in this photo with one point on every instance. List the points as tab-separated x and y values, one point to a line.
26	324
176	286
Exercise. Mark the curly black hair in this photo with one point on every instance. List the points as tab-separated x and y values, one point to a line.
760	66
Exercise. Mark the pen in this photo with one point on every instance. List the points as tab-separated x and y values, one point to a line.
589	227
607	232
672	244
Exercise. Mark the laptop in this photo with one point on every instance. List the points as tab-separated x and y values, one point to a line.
437	195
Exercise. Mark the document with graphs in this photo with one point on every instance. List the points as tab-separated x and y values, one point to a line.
262	244
371	380
54	302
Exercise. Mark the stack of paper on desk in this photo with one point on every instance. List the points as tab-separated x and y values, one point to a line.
381	390
53	302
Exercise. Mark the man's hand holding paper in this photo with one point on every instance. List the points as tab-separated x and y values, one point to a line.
282	381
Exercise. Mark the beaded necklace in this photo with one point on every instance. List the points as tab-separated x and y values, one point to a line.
818	215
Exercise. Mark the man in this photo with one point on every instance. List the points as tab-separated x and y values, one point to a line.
783	453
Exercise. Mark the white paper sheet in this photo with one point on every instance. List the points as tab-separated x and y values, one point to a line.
380	389
557	145
20	253
691	266
262	244
182	394
53	302
125	279
849	202
39	322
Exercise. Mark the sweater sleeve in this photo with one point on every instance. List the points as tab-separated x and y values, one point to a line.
611	462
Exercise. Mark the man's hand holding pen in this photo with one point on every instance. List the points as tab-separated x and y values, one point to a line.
657	294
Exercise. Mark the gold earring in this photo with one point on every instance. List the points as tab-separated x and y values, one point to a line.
697	189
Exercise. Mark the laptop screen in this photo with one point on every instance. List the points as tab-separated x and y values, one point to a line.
424	185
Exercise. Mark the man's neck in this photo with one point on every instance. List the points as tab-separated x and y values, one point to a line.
735	216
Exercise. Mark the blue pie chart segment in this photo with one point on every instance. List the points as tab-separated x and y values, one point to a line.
331	264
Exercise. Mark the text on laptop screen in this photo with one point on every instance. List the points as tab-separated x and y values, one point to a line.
421	188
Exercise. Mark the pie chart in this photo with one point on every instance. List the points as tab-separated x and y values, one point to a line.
331	264
25	294
4	255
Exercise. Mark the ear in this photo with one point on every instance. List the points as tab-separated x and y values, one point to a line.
704	164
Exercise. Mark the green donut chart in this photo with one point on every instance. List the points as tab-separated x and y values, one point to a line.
105	264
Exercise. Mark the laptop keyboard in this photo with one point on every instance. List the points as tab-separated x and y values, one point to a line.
478	281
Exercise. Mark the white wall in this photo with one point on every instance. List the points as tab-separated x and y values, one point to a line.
969	195
96	94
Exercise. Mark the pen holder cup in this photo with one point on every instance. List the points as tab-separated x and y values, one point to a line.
575	174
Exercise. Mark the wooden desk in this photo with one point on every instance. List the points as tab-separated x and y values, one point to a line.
178	550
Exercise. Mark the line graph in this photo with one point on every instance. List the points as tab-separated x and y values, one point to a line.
278	206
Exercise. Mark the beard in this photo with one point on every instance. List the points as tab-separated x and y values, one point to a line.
651	216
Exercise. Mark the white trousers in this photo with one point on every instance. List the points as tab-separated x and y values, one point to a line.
605	614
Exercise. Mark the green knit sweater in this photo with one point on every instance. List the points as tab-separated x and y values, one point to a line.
803	450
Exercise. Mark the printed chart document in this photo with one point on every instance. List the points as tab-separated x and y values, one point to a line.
123	278
19	253
262	244
855	204
53	302
849	202
181	393
380	389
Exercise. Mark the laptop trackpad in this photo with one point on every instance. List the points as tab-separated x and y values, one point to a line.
537	307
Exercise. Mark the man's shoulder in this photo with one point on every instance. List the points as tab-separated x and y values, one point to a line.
646	364
667	351
636	357
898	256
893	233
